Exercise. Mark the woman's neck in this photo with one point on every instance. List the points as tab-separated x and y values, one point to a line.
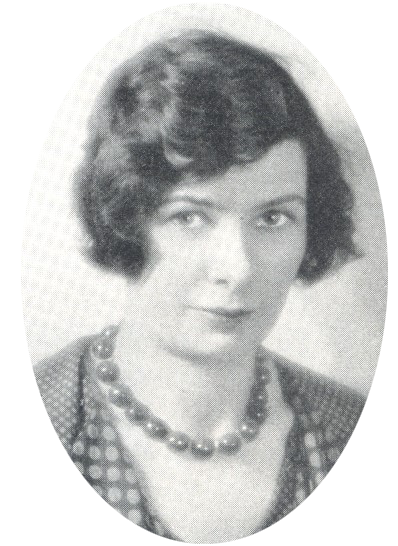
196	395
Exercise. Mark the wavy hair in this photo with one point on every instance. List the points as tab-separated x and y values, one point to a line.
200	103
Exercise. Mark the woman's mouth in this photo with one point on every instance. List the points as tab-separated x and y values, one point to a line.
226	313
224	318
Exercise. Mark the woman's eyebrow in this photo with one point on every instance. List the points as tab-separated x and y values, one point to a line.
203	202
284	199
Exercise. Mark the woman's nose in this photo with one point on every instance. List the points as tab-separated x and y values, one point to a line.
229	262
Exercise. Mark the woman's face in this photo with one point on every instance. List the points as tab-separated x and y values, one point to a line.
224	253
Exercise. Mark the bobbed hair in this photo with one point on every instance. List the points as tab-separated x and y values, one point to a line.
200	103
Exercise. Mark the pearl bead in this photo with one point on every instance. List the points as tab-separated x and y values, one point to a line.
107	371
103	348
178	441
203	449
259	394
155	428
120	396
259	414
249	430
137	413
229	444
263	376
110	332
254	404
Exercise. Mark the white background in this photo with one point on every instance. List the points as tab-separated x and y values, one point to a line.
47	45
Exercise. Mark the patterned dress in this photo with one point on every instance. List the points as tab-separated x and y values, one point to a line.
325	414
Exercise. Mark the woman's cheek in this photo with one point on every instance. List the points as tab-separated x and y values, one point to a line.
169	253
282	262
176	272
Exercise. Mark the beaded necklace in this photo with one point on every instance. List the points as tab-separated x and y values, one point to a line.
121	396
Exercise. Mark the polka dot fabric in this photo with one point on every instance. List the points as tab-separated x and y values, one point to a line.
60	387
99	456
325	416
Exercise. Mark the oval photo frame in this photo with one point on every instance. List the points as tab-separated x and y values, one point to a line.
41	261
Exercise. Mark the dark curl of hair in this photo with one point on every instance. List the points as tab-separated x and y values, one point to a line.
200	103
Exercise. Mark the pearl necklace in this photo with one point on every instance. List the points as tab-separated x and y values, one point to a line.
120	395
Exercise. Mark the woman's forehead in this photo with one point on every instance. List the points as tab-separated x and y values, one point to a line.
280	172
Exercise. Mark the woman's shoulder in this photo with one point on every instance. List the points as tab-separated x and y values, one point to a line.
64	358
59	378
322	403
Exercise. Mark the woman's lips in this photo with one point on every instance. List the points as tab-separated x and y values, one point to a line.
225	312
223	317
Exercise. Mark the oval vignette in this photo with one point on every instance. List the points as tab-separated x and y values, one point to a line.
59	268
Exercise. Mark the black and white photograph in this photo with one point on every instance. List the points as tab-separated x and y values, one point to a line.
204	278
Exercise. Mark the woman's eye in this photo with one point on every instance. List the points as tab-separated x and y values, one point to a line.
272	219
193	220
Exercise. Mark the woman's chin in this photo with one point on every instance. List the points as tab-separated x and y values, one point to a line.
198	347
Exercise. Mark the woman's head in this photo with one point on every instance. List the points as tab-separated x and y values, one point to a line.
223	255
196	106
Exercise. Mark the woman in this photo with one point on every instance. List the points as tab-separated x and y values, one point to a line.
210	184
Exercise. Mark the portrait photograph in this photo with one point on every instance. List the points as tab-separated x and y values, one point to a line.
204	282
